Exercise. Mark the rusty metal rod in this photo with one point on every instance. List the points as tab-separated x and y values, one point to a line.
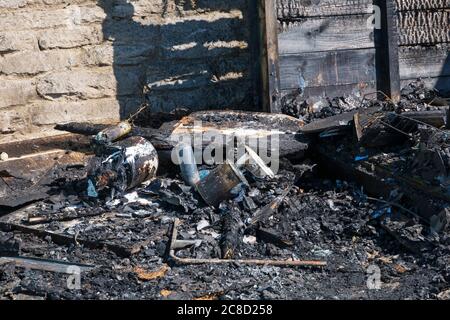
280	263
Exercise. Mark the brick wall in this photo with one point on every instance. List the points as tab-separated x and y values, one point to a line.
86	60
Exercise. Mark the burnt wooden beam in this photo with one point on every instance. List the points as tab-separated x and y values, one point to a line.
73	142
268	56
388	69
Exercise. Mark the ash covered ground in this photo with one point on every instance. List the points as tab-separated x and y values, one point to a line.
321	217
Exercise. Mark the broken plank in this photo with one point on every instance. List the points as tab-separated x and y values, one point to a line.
332	123
18	199
231	232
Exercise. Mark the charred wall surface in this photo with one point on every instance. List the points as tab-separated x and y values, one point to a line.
329	47
424	29
90	60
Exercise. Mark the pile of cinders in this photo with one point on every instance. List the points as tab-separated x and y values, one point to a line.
362	182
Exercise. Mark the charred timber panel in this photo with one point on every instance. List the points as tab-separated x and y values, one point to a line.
424	27
331	68
423	62
322	34
403	5
319	26
388	69
336	91
295	9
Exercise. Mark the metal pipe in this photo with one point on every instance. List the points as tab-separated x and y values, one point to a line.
188	166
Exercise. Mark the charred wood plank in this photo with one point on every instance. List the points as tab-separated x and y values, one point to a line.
424	61
297	9
325	34
157	137
424	27
388	69
268	56
329	68
19	199
73	142
9	246
232	232
404	5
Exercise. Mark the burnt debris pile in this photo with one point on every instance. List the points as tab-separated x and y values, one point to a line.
347	198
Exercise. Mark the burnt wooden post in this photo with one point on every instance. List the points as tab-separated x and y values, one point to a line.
388	69
268	56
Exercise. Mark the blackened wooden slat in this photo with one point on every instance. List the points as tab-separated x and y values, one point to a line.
295	9
422	62
387	60
424	27
270	71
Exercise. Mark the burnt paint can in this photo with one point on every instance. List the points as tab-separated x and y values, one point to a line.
218	184
141	160
130	162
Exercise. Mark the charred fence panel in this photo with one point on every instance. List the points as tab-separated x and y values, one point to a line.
332	47
424	28
326	47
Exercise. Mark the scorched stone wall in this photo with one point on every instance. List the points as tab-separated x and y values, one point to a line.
97	60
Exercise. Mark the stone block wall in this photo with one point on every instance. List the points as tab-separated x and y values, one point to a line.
98	60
